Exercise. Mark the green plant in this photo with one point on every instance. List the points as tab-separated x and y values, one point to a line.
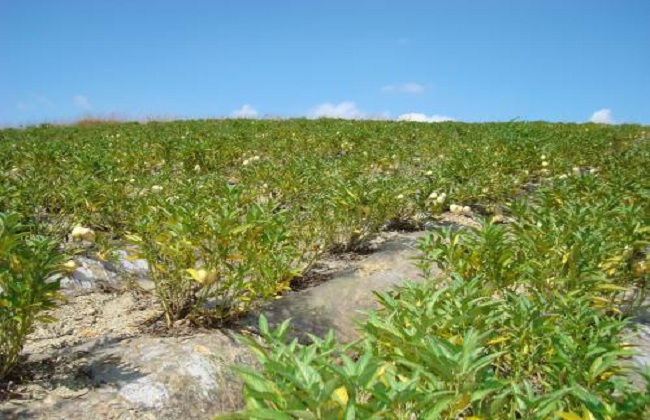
28	286
214	262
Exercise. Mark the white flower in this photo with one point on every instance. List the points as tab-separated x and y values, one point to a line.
563	176
156	188
429	173
256	157
593	171
544	163
197	168
132	180
245	162
455	209
467	210
433	195
576	170
543	157
400	197
82	233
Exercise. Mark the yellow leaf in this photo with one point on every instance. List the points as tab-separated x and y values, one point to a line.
497	340
340	395
611	286
196	275
464	401
202	275
133	238
566	257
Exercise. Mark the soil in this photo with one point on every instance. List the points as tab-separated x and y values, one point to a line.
96	317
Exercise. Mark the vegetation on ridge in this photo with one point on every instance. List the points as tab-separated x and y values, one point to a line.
528	322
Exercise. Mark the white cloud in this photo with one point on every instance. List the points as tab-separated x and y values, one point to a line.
345	110
82	102
378	116
418	117
602	116
410	87
246	111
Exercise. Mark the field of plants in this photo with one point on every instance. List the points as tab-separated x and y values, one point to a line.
529	321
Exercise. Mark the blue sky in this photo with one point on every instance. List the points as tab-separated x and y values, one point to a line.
479	60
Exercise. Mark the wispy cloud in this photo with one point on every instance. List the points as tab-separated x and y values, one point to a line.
346	110
602	116
418	117
82	102
246	111
411	87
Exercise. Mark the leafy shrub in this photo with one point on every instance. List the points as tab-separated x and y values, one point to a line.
28	287
450	352
216	261
526	323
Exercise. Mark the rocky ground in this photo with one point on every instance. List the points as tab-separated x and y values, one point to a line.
104	359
